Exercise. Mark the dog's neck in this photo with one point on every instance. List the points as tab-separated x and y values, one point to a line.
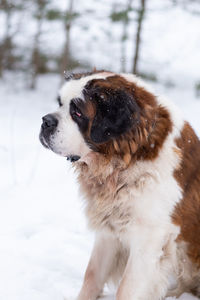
100	173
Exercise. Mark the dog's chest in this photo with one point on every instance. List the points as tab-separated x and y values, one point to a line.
139	199
115	207
108	205
114	214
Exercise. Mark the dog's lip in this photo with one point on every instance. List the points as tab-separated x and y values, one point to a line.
43	141
73	158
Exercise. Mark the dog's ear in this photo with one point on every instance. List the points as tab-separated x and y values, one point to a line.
116	113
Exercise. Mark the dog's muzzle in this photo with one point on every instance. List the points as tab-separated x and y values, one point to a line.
48	127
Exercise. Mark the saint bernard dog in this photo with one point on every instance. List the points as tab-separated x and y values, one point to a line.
138	166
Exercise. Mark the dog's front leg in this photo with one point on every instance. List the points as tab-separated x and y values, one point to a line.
144	278
98	268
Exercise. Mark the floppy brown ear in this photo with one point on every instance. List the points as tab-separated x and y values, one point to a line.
114	117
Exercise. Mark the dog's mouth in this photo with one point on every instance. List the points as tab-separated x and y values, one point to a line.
73	158
43	140
46	143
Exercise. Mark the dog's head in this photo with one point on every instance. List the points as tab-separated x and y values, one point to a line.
101	112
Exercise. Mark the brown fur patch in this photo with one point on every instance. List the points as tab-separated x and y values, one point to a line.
139	142
102	181
187	212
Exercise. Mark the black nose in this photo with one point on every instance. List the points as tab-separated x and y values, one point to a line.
49	122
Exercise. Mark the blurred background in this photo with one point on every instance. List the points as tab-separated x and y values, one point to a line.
157	39
45	243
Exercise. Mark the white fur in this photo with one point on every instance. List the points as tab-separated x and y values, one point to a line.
149	235
67	140
74	88
154	199
140	248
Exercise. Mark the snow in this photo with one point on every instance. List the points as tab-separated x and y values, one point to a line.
45	244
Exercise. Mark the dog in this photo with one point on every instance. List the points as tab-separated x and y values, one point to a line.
138	166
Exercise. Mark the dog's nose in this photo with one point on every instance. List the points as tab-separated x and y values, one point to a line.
49	122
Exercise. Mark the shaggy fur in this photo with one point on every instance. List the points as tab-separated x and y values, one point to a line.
138	166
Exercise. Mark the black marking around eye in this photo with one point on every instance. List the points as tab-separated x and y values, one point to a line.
114	117
78	103
59	101
77	115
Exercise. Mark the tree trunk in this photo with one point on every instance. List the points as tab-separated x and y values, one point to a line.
6	45
141	14
124	38
65	60
35	57
7	55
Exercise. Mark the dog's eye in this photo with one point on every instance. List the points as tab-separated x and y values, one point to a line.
78	114
75	111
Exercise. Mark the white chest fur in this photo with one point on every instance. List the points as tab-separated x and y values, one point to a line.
143	194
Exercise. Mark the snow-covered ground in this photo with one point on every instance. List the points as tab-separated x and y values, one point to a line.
44	241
